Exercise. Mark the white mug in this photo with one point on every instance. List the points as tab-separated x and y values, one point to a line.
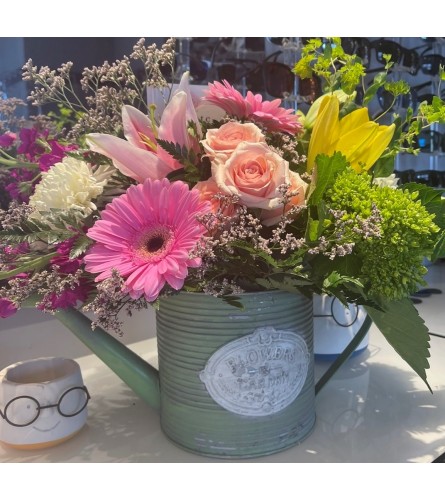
43	402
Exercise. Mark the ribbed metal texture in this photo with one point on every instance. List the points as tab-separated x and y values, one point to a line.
190	329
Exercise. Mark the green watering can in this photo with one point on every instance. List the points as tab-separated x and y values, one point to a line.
226	388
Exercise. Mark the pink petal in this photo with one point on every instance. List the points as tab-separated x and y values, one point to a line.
191	115
136	123
130	160
173	281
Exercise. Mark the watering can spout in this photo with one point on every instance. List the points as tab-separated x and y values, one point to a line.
131	368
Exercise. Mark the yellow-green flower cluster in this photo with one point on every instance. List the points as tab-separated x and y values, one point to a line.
391	263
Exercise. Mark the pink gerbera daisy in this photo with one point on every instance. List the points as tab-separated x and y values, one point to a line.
267	113
147	235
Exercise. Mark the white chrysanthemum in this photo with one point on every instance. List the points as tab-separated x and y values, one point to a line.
67	185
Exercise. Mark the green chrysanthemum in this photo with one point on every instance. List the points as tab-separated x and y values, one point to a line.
391	263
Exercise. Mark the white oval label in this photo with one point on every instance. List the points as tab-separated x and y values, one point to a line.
258	374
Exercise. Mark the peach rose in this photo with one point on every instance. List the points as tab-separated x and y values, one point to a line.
254	173
208	189
297	190
224	140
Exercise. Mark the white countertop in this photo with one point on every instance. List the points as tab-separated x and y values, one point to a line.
375	409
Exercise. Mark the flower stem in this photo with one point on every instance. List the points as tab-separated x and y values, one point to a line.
350	348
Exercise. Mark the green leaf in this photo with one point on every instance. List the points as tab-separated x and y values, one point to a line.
80	245
180	153
439	248
326	170
232	300
405	330
383	167
431	199
335	279
31	265
283	282
371	91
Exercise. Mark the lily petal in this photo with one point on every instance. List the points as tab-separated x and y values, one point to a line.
173	128
354	120
326	130
356	143
381	142
137	128
136	163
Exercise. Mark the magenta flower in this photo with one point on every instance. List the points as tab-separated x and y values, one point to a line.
147	235
62	260
7	308
7	139
28	142
57	153
17	176
267	113
68	298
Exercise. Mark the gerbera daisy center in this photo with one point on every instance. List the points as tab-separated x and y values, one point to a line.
154	242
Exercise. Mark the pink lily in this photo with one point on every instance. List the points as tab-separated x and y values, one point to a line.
140	157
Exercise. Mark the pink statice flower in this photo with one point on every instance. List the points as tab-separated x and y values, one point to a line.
267	113
56	155
7	308
147	235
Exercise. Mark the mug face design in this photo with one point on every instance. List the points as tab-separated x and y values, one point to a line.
41	401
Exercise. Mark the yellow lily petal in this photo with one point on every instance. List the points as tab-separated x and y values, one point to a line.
364	145
356	143
380	143
353	120
326	130
315	107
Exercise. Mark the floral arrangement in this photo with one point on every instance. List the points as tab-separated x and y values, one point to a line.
112	208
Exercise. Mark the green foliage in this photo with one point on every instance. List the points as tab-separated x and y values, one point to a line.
324	174
29	264
193	170
403	328
392	263
80	246
64	118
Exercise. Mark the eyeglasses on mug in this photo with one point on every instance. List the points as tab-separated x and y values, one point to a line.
342	318
25	410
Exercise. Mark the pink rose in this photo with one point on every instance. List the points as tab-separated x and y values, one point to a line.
224	140
296	191
254	173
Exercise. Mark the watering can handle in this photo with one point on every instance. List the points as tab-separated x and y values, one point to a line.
139	375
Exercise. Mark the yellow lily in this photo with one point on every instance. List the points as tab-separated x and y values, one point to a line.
361	140
309	120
